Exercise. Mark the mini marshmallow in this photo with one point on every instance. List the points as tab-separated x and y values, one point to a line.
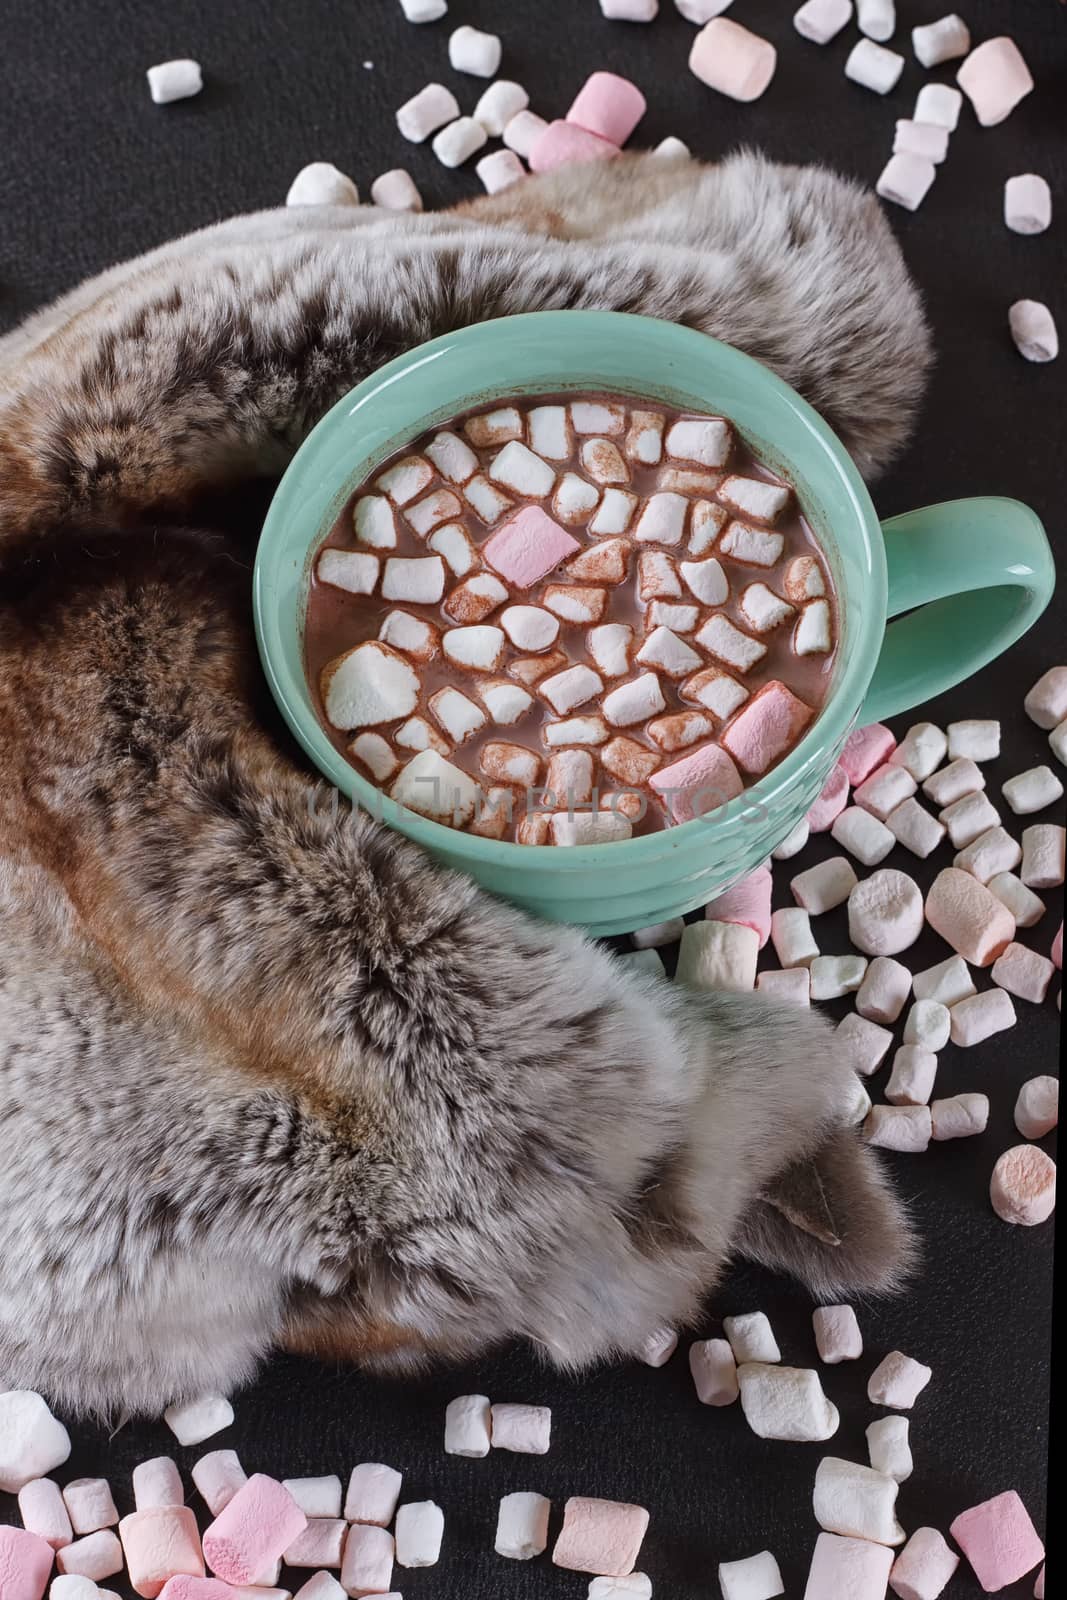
884	990
911	1082
320	1545
603	461
526	549
367	1567
948	982
863	836
427	111
478	648
494	428
658	576
499	103
522	1526
43	1512
877	19
707	580
995	78
921	751
701	11
630	10
968	917
857	1502
218	1476
25	1562
812	635
609	106
863	1043
999	1540
505	702
797	837
821	888
471	50
756	1578
434	788
373	1491
660	1345
419	580
174	80
1027	203
837	1335
912	826
158	1482
974	740
944	40
853	1567
32	1441
417	734
730	645
523	132
1033	329
834	976
928	1024
658	935
888	1448
635	1586
977	1019
425	515
71	1587
668	614
576	730
349	570
575	602
831	802
322	184
1032	791
375	524
614	514
164	1541
706	522
792	937
396	190
721	695
755	547
198	1419
953	782
667	652
924	1567
697	784
671	147
786	1403
1022	1191
804	581
939	105
822	20
611	646
886	788
453	544
563	142
792	986
898	1381
707	441
718	955
733	61
423	10
662	519
1043	856
960	1116
766	727
679	731
874	67
866	749
752	1338
600	1536
1046	702
90	1505
468	1426
458	716
512	764
635	701
755	498
967	819
518	468
574	500
589	827
748	902
1023	973
525	1430
318	1498
458	141
760	606
644	439
906	1129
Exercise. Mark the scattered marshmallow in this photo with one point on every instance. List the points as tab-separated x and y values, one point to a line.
525	1430
630	10
198	1419
863	836
471	50
1046	702
427	111
90	1505
792	937
218	1476
522	1526
885	913
748	902
884	790
877	19
898	1381
976	1019
1033	329
944	40
857	1501
1022	1188
396	190
260	1522
907	1129
831	802
968	917
733	61
563	142
423	10
960	1116
635	1586
100	1555
634	701
822	20
1037	1109
792	985
502	101
523	132
1024	973
374	522
959	778
912	826
468	1426
921	751
373	1492
853	1567
600	1536
68	1586
837	1336
367	1567
458	141
32	1441
318	1498
786	1403
834	976
756	1578
967	819
999	1540
321	1545
1027	203
25	1561
928	1024
174	80
718	955
874	67
322	184
671	147
420	1527
714	1372
609	106
995	78
911	1082
658	1348
798	836
44	1513
938	104
866	749
864	1043
752	1338
924	1568
885	988
1025	906
730	645
1032	791
948	982
1043	856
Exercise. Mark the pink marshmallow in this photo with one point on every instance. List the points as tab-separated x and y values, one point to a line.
747	903
995	78
44	1513
160	1543
924	1567
367	1567
831	802
185	1587
729	58
968	917
865	749
97	1557
769	723
609	106
600	1536
698	784
1022	1189
999	1541
1056	953
260	1522
562	142
852	1567
25	1564
526	548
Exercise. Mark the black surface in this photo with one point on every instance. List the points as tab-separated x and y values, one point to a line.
91	172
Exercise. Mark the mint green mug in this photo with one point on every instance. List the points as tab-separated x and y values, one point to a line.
972	576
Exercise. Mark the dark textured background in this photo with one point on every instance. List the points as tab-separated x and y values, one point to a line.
91	172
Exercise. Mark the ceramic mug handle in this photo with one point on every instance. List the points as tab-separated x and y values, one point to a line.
973	576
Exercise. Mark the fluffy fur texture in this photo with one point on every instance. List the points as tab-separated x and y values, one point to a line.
266	1075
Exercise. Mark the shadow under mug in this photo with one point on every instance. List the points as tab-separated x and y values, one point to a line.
964	579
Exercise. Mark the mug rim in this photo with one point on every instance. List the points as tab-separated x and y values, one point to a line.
315	460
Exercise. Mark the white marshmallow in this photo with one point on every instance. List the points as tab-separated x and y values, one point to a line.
907	1129
921	751
885	913
375	522
877	19
660	1345
603	461
550	433
729	644
377	756
218	1476
498	104
635	1586
953	782
1037	1109
974	740
762	609
874	67
790	985
813	635
322	184
320	1545
702	11
864	1043
417	734
589	827
791	935
32	1441
523	132
1046	702
529	627
405	480
614	513
718	955
822	20
721	694
960	1116
1026	907
494	427
199	1419
714	1372
457	715
857	1502
434	788
821	888
928	1024
630	10
884	990
944	40
566	691
668	614
635	701
516	467
574	500
926	140
911	1082
705	440
458	141
658	935
837	1334
1058	741
90	1505
576	730
795	839
670	146
507	703
752	1338
940	104
471	50
906	179
1027	203
706	522
967	819
320	1586
420	580
662	520
1034	330
479	648
834	976
979	1018
396	190
786	1403
756	1578
1043	856
756	497
373	1491
1032	791
427	111
949	981
804	580
664	649
348	570
525	1430
43	1512
889	1449
862	835
992	852
522	1526
420	1527
453	457
452	544
318	1498
367	1567
423	10
98	1555
898	1381
610	645
174	80
753	547
912	826
856	1107
468	1426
